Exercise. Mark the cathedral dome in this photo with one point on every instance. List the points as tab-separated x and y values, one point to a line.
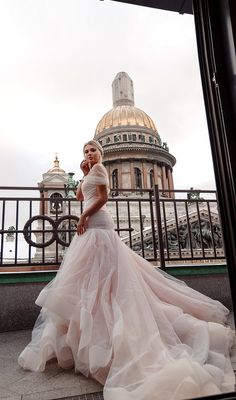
125	122
124	115
134	154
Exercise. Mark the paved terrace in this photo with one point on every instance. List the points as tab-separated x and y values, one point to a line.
54	383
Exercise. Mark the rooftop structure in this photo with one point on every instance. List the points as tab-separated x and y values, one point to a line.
134	154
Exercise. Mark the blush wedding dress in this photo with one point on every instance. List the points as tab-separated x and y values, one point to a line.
141	333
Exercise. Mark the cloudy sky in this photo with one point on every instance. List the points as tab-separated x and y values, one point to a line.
58	60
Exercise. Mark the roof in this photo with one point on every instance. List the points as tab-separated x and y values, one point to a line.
180	6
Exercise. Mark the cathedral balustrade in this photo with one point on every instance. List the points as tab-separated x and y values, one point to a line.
184	229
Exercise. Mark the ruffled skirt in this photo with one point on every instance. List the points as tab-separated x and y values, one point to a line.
142	334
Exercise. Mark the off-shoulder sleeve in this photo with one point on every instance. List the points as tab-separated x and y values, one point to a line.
98	175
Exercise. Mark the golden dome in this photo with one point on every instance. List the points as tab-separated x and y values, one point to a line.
125	115
56	169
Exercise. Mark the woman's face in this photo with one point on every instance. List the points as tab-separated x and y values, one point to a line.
92	154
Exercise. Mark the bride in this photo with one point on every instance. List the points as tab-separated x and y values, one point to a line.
111	316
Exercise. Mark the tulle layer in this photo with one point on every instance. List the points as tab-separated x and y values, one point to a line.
110	315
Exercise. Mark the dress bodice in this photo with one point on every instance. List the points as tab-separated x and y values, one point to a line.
97	176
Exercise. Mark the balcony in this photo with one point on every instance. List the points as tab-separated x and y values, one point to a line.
180	233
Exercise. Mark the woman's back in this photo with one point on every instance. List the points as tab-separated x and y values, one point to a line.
97	176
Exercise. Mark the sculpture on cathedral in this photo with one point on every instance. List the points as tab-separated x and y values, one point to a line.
10	233
71	185
165	146
194	194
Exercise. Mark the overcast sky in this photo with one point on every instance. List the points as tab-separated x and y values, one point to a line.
58	61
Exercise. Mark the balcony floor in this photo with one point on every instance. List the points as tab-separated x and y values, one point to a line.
54	383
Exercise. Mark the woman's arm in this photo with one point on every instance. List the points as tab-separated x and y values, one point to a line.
85	167
79	194
98	203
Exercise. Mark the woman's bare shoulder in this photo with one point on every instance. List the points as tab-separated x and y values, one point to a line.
99	169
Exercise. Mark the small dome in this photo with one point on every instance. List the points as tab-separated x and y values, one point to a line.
124	115
56	168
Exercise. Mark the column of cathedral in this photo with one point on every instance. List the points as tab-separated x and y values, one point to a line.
155	172
120	178
164	178
108	168
132	175
144	171
170	181
167	180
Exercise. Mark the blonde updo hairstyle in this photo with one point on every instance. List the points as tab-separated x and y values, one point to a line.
97	145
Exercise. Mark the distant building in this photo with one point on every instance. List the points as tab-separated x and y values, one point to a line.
53	206
55	176
134	155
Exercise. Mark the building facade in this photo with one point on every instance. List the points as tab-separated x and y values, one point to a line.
57	193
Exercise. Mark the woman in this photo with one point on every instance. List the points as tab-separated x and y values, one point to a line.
109	314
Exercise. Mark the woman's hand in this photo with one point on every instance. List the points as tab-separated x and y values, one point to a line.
85	167
81	226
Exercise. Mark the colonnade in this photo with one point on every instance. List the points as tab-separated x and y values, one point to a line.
162	175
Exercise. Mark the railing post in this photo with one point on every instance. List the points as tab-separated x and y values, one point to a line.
159	227
42	203
153	225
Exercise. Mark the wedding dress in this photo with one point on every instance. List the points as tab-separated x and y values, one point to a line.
111	316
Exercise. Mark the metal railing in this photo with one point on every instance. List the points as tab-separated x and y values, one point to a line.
163	226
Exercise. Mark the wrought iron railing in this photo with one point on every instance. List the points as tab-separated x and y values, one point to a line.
165	226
